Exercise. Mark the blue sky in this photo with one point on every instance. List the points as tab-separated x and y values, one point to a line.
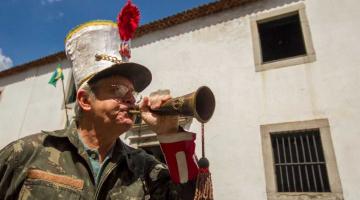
30	29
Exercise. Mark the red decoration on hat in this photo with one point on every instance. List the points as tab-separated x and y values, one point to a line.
128	21
125	51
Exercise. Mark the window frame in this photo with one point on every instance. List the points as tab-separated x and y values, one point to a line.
1	92
275	14
329	154
69	106
140	135
69	88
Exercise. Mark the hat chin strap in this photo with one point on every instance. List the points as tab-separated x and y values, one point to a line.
82	82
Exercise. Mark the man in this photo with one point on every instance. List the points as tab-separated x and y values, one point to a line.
88	160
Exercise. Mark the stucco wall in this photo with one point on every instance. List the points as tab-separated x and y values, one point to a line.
29	104
217	51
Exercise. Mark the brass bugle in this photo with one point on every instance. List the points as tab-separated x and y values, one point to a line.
199	104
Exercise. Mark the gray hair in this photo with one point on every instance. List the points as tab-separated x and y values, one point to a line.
77	109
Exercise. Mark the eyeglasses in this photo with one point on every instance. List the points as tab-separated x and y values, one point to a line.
119	91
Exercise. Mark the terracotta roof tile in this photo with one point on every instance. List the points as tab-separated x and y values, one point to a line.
185	16
41	61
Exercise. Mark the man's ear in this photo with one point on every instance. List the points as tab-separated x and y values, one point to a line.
83	99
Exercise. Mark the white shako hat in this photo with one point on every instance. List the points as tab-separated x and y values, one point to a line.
93	49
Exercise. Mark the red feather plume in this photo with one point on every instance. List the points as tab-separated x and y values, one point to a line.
128	21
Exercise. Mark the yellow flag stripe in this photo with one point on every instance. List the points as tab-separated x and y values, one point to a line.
58	73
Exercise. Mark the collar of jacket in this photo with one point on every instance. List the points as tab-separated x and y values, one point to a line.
134	157
70	133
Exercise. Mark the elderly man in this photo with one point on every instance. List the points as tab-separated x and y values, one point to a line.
87	160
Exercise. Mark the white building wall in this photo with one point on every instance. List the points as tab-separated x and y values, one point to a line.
29	104
335	93
217	51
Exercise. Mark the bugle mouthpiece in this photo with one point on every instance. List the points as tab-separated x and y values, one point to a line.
134	112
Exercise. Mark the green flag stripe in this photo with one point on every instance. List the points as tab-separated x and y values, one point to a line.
56	76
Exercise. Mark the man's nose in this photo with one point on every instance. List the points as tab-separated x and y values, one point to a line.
129	99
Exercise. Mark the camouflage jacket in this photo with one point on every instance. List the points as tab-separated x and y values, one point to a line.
54	165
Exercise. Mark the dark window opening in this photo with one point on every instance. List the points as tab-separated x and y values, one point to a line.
281	37
138	119
72	94
1	93
299	161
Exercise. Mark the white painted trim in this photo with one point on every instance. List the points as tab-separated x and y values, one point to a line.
175	137
182	166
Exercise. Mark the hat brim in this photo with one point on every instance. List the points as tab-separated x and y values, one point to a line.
138	74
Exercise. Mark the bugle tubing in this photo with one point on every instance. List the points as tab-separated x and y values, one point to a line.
199	104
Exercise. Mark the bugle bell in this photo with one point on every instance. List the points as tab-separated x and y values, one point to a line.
199	104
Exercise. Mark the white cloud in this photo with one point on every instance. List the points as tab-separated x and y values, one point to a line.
55	16
5	62
52	1
60	14
44	2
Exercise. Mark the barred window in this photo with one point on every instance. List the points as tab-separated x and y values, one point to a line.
140	136
299	161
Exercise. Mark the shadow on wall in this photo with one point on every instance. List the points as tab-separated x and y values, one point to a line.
202	22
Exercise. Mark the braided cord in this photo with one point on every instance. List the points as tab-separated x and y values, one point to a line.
113	59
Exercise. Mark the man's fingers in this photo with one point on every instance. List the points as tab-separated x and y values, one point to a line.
156	98
153	102
144	105
157	101
158	123
165	98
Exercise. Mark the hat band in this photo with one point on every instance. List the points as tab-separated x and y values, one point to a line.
113	59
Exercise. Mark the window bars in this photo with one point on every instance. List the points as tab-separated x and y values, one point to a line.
299	161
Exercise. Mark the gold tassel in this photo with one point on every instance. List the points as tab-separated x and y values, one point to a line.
204	189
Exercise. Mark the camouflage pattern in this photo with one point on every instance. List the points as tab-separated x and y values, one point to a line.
54	165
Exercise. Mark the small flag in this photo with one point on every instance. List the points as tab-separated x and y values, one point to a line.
58	74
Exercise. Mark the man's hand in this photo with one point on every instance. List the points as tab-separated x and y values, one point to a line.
160	124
